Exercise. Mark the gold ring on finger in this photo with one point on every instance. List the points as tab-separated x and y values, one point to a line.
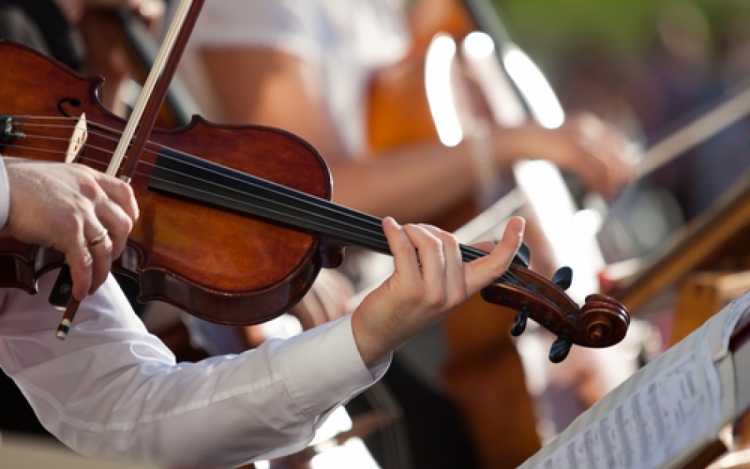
98	239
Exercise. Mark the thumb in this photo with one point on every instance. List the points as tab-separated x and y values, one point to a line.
484	271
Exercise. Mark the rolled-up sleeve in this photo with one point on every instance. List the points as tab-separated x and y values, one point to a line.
111	388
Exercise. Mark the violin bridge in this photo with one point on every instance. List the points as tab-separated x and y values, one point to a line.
77	140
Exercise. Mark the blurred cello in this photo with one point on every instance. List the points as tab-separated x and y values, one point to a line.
483	372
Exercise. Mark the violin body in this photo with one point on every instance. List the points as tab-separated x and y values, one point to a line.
253	270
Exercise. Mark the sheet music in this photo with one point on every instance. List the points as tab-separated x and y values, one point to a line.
664	411
646	429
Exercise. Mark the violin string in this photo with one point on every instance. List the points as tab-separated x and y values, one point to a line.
370	224
298	199
473	253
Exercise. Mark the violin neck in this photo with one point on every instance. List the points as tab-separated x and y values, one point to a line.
227	189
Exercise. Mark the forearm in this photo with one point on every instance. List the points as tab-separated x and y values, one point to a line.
413	183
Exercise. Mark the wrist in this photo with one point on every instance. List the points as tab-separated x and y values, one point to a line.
361	338
371	345
524	142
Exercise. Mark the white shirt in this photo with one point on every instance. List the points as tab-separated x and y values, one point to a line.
112	388
345	40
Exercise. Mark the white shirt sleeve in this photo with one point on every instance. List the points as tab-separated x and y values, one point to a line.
111	388
4	194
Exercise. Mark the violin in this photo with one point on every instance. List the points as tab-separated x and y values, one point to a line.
236	221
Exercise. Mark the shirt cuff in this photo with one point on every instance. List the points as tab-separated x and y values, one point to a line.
336	371
4	194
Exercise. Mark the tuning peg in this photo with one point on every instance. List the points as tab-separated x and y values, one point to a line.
519	323
560	349
523	255
563	277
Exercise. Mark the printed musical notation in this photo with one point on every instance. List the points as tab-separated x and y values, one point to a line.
669	408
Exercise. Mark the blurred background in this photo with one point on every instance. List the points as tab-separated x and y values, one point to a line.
650	67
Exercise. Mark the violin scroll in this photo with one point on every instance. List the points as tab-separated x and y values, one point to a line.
604	319
601	322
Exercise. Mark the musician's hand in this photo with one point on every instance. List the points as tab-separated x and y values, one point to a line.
586	146
67	207
150	12
430	280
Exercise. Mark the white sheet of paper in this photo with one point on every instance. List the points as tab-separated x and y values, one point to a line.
646	429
